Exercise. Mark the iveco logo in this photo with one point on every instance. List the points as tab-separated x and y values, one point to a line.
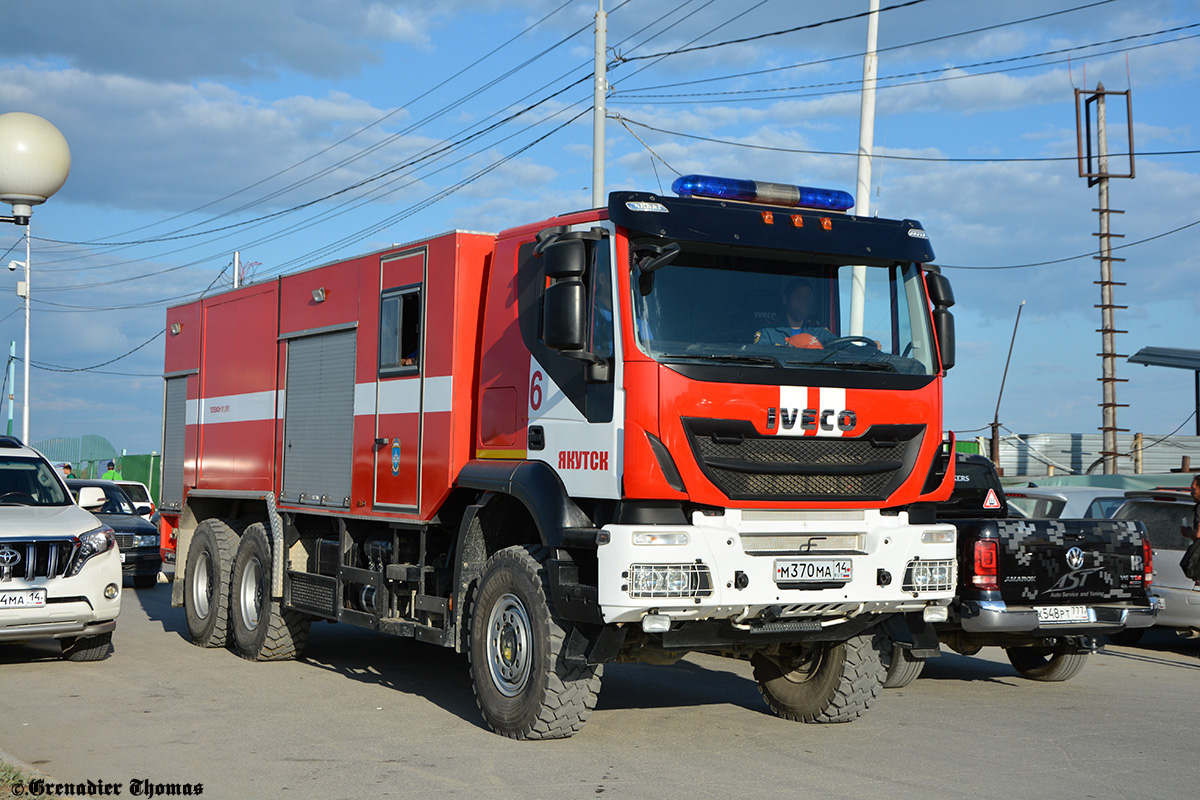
811	418
9	557
1074	558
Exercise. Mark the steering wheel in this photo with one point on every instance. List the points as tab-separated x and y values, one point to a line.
859	340
7	495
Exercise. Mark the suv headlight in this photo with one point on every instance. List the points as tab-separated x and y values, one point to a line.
145	540
93	543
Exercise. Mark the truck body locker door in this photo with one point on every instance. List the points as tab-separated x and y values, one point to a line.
400	385
319	419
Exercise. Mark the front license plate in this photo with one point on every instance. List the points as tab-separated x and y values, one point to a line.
122	558
26	598
813	570
1051	615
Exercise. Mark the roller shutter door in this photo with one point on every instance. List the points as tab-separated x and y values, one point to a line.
319	419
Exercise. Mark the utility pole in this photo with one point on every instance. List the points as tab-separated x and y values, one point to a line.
10	381
599	107
866	143
1108	331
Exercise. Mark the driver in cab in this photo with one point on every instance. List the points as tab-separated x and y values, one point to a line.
797	328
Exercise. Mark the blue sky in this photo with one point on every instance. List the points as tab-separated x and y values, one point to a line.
303	131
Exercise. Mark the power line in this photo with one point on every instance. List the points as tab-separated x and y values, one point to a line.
57	368
1083	255
761	36
892	48
938	159
626	97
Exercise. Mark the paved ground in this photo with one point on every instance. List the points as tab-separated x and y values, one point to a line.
367	716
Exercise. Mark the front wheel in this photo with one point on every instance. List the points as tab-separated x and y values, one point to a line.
1049	664
262	629
827	682
87	648
523	685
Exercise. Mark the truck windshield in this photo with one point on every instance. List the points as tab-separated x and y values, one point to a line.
773	310
29	482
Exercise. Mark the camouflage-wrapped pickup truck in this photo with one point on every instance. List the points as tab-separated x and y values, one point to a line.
1046	590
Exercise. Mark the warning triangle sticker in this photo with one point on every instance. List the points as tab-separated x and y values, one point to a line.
992	501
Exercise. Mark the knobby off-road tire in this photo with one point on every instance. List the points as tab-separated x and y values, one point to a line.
1046	663
206	585
522	684
88	648
903	668
262	629
832	682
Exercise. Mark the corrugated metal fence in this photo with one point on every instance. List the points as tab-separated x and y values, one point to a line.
1075	453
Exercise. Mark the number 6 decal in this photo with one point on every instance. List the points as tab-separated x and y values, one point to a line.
535	391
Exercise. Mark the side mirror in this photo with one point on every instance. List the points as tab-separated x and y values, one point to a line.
940	292
943	329
565	258
143	510
564	315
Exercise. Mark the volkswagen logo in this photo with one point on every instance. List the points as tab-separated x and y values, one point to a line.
1074	558
9	557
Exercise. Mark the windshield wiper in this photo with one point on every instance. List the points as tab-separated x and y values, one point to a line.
732	359
868	366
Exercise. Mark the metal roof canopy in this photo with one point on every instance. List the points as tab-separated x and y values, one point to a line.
1176	357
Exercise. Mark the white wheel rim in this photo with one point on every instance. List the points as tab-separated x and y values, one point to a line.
250	594
508	645
202	586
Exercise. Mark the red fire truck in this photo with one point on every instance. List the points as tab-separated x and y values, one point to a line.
615	435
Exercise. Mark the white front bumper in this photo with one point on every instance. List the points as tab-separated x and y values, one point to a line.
740	584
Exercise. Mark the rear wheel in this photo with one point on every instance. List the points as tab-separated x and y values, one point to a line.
88	648
206	588
523	686
262	629
1050	664
903	668
829	682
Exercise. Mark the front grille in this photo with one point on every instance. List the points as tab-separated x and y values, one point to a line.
124	540
746	465
41	558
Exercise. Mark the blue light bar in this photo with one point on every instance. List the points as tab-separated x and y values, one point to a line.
776	194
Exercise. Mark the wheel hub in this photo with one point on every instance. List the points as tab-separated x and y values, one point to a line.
508	645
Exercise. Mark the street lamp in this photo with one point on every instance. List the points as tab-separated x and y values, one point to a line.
34	164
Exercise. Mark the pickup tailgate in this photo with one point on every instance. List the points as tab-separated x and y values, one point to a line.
1046	562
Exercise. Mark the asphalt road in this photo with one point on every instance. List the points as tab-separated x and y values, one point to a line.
369	716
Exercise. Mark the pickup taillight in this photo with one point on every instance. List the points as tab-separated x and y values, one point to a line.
1147	562
986	574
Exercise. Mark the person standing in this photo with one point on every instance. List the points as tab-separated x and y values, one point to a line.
111	474
1193	532
67	471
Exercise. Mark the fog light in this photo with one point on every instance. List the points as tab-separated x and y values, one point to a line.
110	591
936	614
656	623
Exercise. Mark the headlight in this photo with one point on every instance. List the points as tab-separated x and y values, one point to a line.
92	543
145	540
